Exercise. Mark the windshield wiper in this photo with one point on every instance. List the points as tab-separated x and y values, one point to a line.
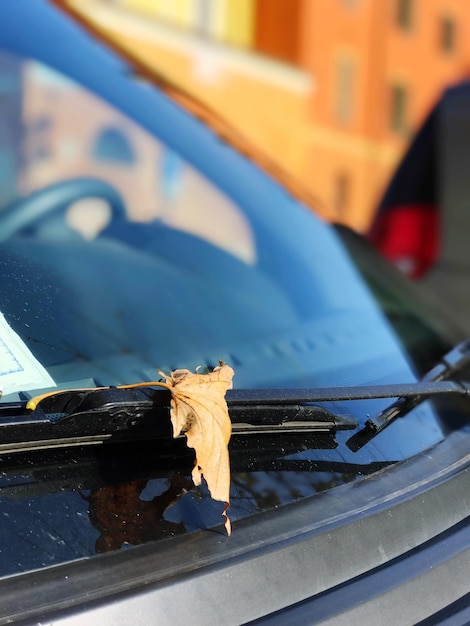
88	416
79	417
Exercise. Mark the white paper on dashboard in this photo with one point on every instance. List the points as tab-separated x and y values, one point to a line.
19	368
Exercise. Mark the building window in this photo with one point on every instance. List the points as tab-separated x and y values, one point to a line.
344	90
405	13
341	195
39	136
112	145
272	39
204	17
399	105
447	35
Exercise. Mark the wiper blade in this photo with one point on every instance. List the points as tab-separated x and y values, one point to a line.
250	416
90	416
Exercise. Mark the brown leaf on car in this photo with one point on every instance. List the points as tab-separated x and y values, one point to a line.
199	409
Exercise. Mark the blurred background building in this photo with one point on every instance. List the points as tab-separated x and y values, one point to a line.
332	90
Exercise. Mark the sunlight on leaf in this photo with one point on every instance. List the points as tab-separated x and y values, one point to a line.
199	409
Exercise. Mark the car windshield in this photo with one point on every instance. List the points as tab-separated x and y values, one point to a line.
134	239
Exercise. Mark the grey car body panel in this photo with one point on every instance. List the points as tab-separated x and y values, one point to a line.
284	557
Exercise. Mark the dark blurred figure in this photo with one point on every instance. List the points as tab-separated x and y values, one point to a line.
423	221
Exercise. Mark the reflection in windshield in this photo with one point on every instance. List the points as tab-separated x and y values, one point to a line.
122	516
55	130
60	505
277	297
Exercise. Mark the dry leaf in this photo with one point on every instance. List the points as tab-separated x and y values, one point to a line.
199	409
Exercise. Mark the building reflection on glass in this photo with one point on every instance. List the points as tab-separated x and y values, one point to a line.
52	129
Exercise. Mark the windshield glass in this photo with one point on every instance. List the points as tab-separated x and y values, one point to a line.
128	259
133	239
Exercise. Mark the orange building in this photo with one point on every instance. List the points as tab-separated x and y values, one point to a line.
330	89
379	67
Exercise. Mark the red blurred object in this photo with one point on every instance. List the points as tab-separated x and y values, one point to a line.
408	235
407	228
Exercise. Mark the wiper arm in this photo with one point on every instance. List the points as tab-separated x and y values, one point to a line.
409	395
433	383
